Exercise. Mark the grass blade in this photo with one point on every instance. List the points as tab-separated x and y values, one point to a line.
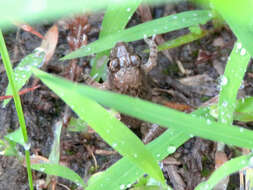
231	81
107	126
21	119
158	114
226	169
59	170
23	72
157	26
161	147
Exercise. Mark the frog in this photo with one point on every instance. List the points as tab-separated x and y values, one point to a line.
128	75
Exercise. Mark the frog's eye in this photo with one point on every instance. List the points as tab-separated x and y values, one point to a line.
114	65
135	60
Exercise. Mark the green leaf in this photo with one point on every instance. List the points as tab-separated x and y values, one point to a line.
51	9
243	110
77	125
231	81
242	26
23	72
16	136
157	26
226	169
161	147
54	156
59	170
107	126
160	115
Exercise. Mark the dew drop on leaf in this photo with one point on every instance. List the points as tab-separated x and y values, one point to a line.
122	186
223	81
171	149
243	52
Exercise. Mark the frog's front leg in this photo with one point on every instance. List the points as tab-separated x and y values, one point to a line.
152	55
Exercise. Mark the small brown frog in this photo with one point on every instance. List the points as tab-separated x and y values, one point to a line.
127	75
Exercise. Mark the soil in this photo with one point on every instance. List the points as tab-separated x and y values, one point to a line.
42	109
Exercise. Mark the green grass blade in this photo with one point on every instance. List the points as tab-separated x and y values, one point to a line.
61	171
54	156
16	136
158	114
226	169
106	125
157	26
161	147
243	110
23	72
231	81
242	26
115	19
124	173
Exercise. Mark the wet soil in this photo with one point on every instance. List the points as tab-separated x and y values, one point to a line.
42	109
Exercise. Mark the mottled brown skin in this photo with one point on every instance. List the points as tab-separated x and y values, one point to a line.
127	75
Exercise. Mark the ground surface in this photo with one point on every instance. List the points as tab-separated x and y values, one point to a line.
42	109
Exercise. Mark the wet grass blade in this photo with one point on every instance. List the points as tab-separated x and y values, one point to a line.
226	169
54	156
158	114
231	81
105	124
59	170
161	147
23	72
157	26
240	25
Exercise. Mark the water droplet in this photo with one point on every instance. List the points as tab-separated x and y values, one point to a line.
27	146
114	145
225	104
209	122
129	185
122	186
171	149
223	80
251	162
243	52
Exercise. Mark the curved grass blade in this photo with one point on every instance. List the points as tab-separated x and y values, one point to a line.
226	169
161	147
242	25
16	136
231	81
59	170
158	114
106	125
157	26
23	72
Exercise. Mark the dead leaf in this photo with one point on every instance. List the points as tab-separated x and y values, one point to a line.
49	42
